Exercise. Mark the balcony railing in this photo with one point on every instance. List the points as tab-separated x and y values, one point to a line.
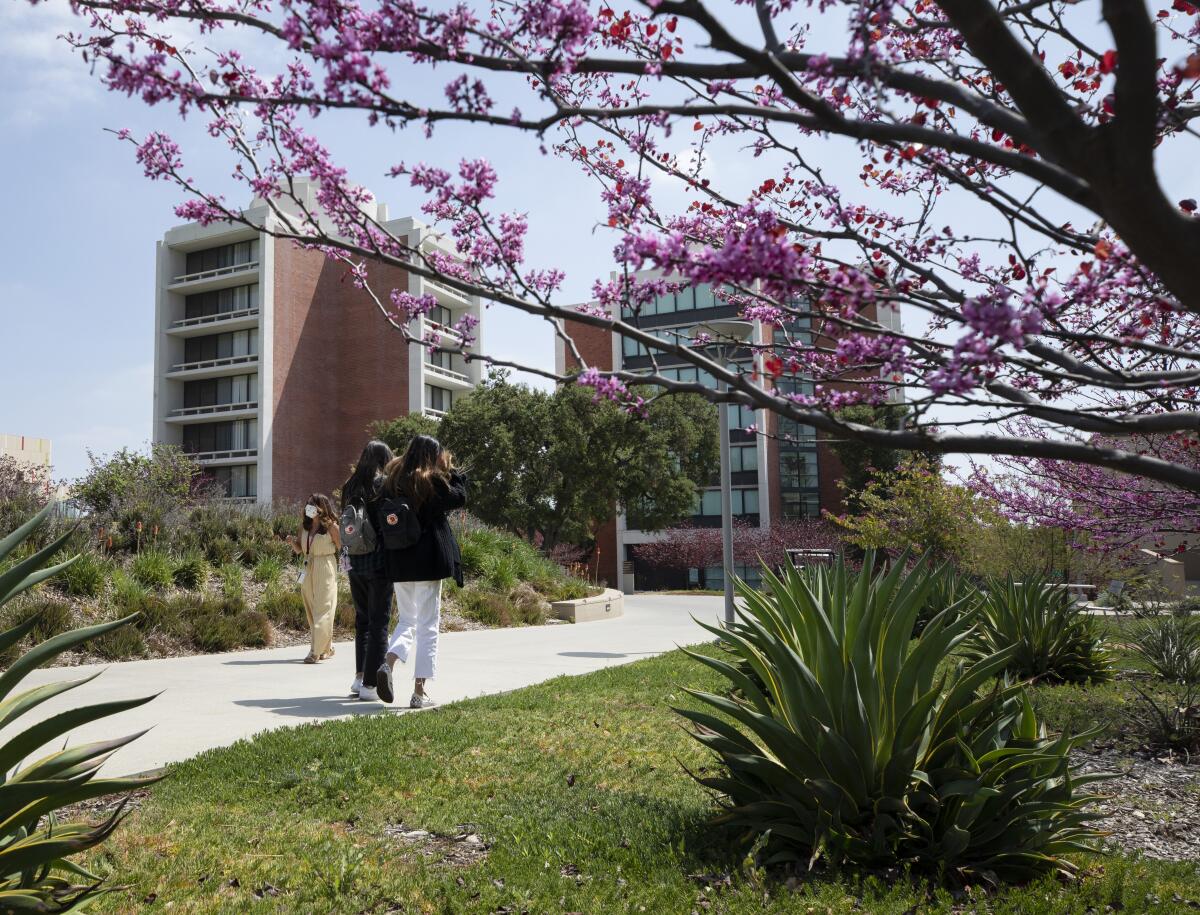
214	408
434	414
448	291
444	330
204	456
223	362
447	373
213	319
216	272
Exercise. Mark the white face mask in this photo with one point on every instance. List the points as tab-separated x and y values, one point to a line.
310	511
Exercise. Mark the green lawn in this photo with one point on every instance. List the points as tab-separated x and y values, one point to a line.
577	785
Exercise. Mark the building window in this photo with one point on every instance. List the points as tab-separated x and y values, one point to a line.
221	301
440	314
744	503
743	459
440	358
713	577
800	505
211	392
237	435
242	252
221	346
438	398
239	481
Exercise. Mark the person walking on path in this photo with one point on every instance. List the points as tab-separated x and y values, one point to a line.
319	543
370	587
422	487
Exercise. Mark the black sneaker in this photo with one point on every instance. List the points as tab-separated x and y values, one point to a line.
383	684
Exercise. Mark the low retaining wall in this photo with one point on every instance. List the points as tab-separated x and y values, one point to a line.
604	606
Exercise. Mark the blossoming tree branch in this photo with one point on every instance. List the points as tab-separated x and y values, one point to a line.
999	173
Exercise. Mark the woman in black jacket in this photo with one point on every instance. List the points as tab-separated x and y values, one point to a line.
428	482
370	588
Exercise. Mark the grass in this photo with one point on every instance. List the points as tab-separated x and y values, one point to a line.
576	784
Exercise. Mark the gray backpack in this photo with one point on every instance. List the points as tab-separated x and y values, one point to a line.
358	536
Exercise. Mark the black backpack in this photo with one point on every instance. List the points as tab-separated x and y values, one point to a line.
401	527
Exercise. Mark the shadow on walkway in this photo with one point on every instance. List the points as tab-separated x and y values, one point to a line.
316	706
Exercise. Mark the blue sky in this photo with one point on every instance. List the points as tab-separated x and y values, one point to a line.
77	248
77	284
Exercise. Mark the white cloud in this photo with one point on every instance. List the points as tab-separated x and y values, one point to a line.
42	75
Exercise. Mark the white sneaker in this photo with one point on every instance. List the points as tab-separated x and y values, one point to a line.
366	694
356	686
420	701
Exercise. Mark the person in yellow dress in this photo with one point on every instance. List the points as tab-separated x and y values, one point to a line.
319	543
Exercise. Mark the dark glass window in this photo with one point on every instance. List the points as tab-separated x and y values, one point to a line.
242	252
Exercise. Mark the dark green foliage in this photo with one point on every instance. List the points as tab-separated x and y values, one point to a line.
233	586
37	872
556	463
255	629
949	588
268	570
86	576
1167	717
487	607
344	615
865	755
153	569
1051	639
128	595
191	571
215	631
50	617
221	550
120	644
1170	644
398	433
284	608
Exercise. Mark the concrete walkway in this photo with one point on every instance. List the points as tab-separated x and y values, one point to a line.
213	700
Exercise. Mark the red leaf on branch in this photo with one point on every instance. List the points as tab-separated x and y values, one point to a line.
1103	249
1108	63
666	51
672	23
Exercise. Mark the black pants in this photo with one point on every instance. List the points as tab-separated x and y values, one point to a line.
372	596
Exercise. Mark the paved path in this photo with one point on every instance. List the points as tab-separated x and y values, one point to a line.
213	700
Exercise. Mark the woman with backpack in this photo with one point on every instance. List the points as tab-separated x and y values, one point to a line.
422	487
318	543
370	588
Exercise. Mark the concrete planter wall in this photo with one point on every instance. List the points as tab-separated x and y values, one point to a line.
604	606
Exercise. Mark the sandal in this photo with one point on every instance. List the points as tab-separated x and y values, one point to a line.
326	656
311	659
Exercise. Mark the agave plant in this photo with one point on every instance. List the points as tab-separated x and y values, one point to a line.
36	870
1052	639
864	754
1170	644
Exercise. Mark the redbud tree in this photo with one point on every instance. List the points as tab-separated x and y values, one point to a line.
1012	175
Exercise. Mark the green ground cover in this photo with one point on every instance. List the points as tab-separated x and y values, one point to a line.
576	791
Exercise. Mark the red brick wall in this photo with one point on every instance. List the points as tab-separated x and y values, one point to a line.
596	347
337	366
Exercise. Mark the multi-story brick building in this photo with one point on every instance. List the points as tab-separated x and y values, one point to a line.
270	362
788	473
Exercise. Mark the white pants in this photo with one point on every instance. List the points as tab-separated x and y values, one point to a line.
418	613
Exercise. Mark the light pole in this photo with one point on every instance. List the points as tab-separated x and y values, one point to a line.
723	339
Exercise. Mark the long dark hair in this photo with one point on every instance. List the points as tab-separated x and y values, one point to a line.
324	505
415	475
371	464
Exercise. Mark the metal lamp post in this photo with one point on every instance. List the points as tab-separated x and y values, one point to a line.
725	337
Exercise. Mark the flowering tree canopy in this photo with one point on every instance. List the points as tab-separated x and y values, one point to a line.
1010	174
1100	509
688	547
